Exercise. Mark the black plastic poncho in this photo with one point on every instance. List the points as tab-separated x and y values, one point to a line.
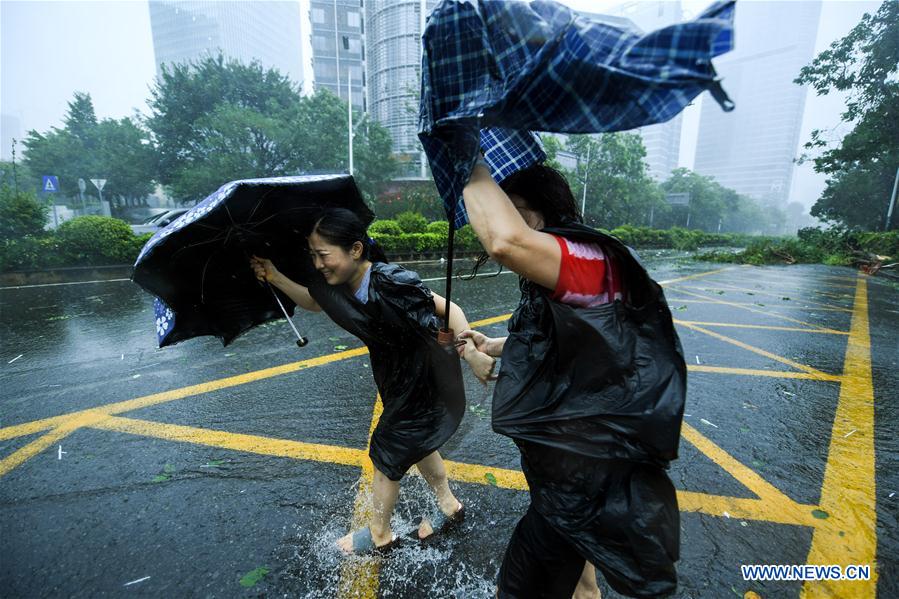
420	382
594	398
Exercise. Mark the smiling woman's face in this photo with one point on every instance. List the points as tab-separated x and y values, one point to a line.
336	264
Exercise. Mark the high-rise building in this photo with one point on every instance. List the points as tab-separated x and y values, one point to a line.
752	148
338	54
662	141
266	32
393	30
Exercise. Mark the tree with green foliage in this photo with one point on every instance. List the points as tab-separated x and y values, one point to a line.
119	151
619	190
862	167
217	120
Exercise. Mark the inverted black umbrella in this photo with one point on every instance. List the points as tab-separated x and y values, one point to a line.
198	266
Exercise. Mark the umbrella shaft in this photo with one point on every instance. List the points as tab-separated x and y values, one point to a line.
289	321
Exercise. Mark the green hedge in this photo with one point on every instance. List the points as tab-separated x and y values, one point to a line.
82	241
678	238
384	227
834	247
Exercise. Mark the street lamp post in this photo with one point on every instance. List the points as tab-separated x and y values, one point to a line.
892	201
584	196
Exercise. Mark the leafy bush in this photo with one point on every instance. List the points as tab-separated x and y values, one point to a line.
412	222
384	227
21	214
31	253
441	227
96	240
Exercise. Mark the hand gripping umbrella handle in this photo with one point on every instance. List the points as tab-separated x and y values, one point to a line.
301	341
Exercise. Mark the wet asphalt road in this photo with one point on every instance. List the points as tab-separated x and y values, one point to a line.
239	488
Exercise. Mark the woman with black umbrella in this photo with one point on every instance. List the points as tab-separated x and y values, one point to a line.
389	309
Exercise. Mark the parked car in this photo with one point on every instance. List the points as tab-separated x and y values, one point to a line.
157	221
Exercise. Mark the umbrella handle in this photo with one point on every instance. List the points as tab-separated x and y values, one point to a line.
301	341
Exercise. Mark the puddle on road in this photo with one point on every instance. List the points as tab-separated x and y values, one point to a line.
310	564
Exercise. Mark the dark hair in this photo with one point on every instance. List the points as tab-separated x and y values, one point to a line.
343	228
546	191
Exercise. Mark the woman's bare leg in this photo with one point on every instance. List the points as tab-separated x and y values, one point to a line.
434	472
384	494
586	586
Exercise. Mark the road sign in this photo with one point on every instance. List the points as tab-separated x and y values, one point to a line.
49	184
99	183
81	185
678	199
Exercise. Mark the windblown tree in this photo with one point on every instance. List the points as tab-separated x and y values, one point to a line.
862	166
218	120
116	150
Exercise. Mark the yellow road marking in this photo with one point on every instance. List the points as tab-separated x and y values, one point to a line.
759	326
24	454
781	511
727	287
167	396
696	276
777	374
284	448
680	300
773	497
359	574
744	306
741	508
849	534
758	350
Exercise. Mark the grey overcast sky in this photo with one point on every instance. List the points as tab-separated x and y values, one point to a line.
50	50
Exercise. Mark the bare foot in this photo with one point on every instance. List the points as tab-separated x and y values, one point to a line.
345	543
425	529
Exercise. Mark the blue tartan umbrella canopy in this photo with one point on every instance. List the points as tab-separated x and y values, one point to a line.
198	266
493	71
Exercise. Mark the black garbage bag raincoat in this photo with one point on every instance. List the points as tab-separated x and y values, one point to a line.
594	398
420	382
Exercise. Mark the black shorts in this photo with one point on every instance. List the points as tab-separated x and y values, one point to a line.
539	562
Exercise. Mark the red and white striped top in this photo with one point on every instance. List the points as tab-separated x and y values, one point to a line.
585	277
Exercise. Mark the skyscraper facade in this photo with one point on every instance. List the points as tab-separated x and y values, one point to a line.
338	53
662	141
752	148
266	32
393	30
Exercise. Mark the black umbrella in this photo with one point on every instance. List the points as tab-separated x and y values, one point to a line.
198	266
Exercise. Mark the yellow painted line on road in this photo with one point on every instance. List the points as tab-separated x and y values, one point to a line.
756	310
680	300
759	326
283	448
849	534
758	350
359	575
37	426
30	450
11	432
696	276
741	508
773	497
777	374
757	292
362	573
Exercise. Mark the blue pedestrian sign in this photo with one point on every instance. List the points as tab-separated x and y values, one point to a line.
49	184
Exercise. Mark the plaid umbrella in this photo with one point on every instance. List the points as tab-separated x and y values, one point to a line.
493	71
